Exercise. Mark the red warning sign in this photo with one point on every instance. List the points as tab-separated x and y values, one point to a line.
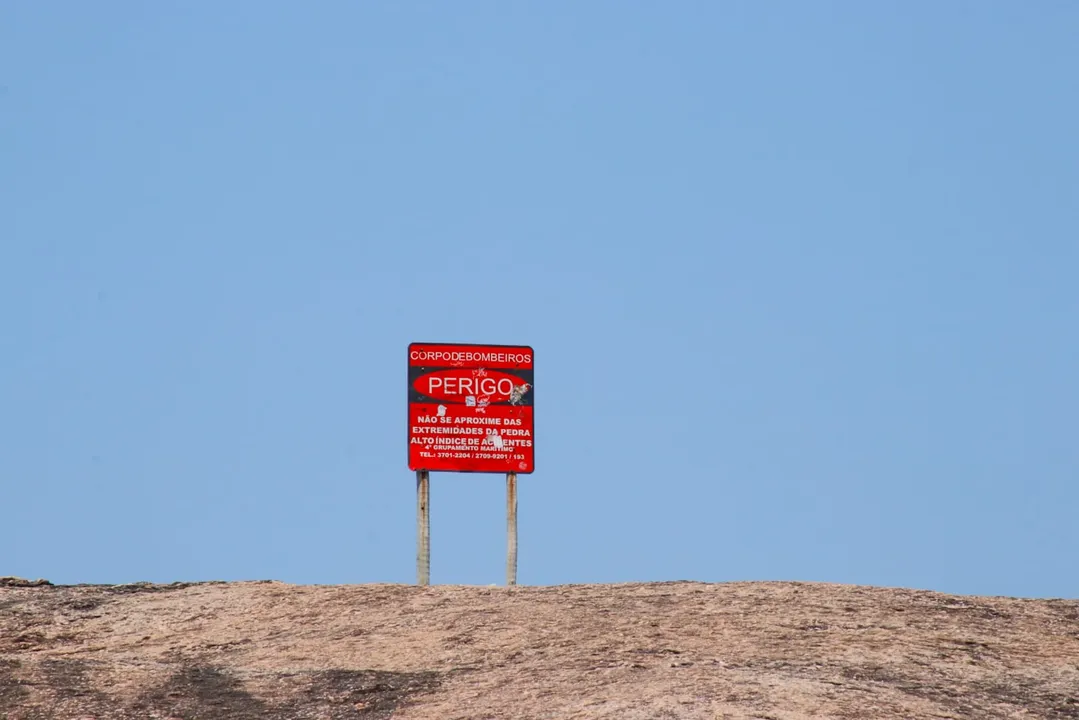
470	408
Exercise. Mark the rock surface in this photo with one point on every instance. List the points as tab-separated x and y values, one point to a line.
778	651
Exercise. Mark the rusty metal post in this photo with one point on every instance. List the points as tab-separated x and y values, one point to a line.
423	527
511	528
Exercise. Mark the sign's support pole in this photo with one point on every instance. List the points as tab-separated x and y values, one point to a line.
423	527
511	528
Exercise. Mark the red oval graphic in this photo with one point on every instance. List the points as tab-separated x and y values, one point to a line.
479	387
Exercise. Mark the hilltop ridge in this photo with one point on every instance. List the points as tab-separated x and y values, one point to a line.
777	650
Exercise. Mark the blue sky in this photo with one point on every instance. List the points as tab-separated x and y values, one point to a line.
800	278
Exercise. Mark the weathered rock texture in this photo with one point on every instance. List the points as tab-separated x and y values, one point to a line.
785	651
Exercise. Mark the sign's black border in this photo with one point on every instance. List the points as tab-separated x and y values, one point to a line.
408	352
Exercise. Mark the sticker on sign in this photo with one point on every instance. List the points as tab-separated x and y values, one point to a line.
470	408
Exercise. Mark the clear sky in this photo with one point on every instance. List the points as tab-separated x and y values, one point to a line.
801	279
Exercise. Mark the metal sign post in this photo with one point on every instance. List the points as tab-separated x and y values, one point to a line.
423	527
470	410
511	528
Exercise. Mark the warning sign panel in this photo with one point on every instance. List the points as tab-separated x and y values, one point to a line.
470	408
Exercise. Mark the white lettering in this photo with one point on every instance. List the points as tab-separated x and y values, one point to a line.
484	387
478	421
478	357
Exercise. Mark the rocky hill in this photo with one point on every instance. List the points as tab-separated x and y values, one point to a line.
782	651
